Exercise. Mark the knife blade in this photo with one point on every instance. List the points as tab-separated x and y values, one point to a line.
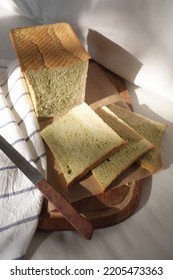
78	222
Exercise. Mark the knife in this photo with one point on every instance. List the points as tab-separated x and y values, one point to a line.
58	200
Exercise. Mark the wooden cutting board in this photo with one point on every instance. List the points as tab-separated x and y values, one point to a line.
106	208
102	210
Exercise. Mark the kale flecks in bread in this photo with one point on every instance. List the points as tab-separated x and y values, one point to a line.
136	146
80	140
149	129
55	66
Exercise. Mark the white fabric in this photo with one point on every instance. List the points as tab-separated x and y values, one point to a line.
20	201
142	28
9	20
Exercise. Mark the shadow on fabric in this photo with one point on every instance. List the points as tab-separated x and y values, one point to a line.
112	56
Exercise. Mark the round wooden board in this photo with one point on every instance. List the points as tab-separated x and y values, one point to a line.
110	207
103	210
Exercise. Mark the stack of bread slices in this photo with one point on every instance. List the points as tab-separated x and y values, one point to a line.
106	141
84	140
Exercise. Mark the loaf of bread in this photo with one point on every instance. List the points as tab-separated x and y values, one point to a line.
79	141
109	169
149	129
55	65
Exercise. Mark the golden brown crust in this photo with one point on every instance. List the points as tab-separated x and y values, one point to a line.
146	165
52	45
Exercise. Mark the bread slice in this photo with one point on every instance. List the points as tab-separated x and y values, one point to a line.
146	127
55	66
109	169
79	141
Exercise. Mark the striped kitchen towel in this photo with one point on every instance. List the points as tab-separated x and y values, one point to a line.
20	201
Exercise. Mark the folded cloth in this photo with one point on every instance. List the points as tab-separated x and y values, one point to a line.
20	201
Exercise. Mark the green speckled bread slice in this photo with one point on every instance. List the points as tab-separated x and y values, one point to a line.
149	129
80	140
108	170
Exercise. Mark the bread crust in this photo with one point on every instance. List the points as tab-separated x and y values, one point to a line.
149	129
55	66
50	46
80	141
137	145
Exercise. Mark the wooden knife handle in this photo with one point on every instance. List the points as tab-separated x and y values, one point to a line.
66	209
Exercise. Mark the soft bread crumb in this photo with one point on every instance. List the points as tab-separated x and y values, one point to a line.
108	170
55	66
80	140
149	129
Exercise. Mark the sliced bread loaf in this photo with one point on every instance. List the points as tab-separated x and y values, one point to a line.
149	129
109	169
54	64
80	140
